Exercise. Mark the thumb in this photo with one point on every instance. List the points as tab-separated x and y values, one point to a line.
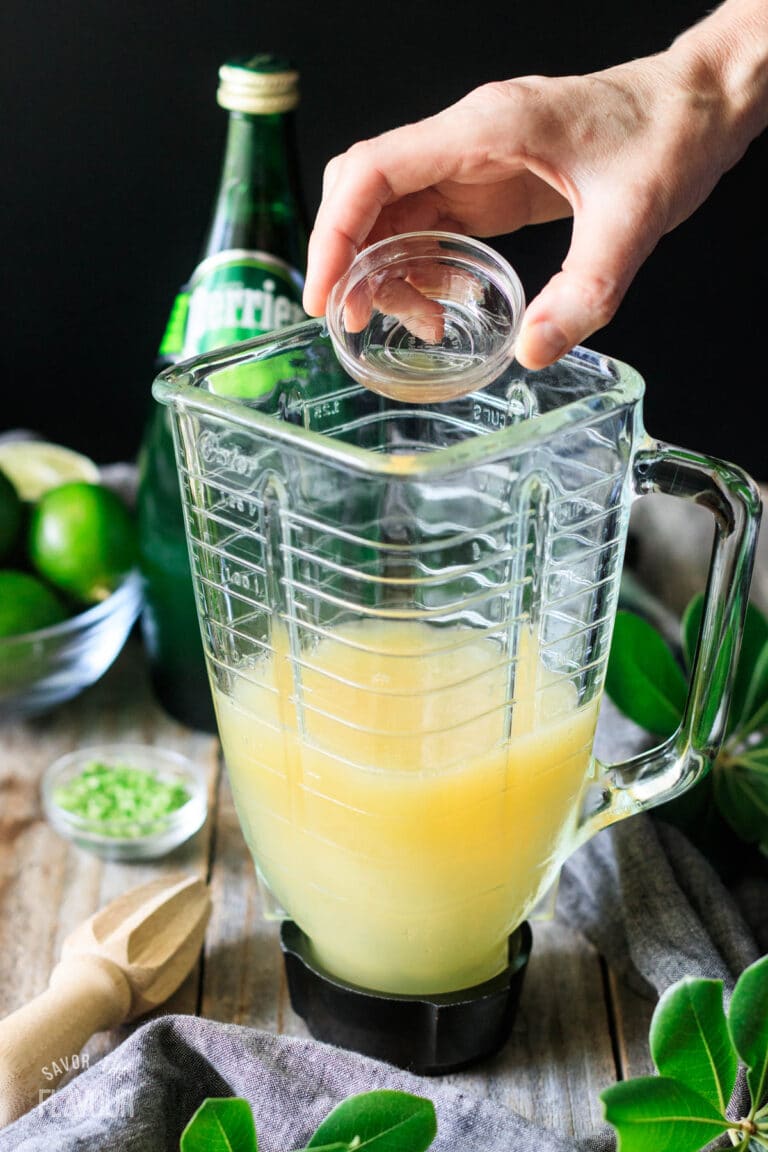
608	246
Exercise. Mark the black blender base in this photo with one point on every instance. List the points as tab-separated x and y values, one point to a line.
429	1035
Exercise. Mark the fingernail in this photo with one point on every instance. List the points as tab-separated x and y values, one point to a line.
547	340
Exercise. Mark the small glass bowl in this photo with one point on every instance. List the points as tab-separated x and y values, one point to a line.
41	669
426	316
128	840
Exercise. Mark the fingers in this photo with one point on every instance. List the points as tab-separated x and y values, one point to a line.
609	244
399	168
420	315
342	224
358	307
407	297
353	199
412	295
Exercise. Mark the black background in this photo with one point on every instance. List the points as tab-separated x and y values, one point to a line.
112	141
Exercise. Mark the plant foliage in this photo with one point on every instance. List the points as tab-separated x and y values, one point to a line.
647	684
382	1121
696	1049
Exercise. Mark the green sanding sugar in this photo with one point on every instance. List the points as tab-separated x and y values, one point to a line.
116	794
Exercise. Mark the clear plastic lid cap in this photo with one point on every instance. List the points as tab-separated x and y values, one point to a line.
426	316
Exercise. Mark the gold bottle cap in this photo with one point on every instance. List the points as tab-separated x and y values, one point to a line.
259	85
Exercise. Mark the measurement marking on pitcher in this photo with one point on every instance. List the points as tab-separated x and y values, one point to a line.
237	503
237	578
490	417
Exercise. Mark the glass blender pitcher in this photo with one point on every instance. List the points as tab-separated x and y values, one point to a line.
407	609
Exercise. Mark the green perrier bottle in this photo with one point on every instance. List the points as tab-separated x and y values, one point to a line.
248	282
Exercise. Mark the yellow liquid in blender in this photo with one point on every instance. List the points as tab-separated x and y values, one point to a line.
396	815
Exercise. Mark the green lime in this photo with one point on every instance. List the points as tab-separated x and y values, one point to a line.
251	381
26	604
11	514
83	539
35	466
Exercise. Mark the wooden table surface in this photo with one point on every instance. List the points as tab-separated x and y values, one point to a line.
578	1029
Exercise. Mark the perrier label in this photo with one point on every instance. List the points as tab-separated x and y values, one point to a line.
231	297
236	294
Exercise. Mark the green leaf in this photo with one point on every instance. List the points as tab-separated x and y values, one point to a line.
220	1125
380	1122
748	1024
690	628
659	1114
643	678
751	683
718	662
755	711
690	1040
741	792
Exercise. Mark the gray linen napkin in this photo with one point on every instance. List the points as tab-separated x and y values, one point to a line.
639	891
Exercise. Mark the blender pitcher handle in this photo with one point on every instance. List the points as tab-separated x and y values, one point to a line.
662	773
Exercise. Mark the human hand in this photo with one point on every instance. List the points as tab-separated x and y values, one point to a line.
410	297
629	152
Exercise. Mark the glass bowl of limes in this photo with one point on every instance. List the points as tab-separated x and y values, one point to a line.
69	586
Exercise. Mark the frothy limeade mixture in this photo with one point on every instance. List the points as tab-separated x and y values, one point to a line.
392	814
